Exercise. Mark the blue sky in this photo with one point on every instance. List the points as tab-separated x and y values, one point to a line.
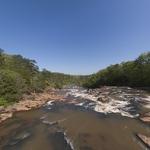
75	36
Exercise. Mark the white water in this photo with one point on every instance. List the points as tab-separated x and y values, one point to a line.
147	101
113	106
123	105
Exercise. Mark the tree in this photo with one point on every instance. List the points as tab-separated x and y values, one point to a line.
1	57
12	85
131	73
144	58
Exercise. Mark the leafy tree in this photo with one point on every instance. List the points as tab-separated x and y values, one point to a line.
132	73
1	57
19	75
12	86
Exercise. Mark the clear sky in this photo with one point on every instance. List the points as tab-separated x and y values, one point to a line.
75	36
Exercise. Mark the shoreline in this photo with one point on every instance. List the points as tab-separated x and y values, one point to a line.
36	100
29	102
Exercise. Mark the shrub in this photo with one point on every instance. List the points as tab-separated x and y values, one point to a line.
12	86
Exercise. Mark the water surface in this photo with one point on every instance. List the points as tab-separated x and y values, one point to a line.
75	128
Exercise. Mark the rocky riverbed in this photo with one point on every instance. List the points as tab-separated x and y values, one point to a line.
123	100
34	100
121	111
126	101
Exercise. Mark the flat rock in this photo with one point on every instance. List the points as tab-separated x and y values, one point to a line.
144	139
5	116
146	117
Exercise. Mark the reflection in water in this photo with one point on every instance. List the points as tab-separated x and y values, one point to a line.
67	127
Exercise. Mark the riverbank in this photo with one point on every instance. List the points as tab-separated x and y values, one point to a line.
28	102
105	100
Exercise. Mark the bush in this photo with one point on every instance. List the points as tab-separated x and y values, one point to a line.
12	86
132	73
3	101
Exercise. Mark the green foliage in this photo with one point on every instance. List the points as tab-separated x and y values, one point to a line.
12	86
131	73
59	80
19	75
16	76
3	102
25	67
1	57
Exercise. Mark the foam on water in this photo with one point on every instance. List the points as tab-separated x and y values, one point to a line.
69	141
147	101
123	105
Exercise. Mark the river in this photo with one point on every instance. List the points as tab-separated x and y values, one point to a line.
65	126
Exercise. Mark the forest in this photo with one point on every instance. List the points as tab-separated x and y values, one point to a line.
134	73
19	75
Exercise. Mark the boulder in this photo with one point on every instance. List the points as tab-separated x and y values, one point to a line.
103	99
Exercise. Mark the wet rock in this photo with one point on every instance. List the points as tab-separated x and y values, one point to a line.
53	123
144	139
50	123
146	117
62	139
18	138
69	141
43	117
103	99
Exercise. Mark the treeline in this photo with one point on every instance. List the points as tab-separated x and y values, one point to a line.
19	75
132	73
